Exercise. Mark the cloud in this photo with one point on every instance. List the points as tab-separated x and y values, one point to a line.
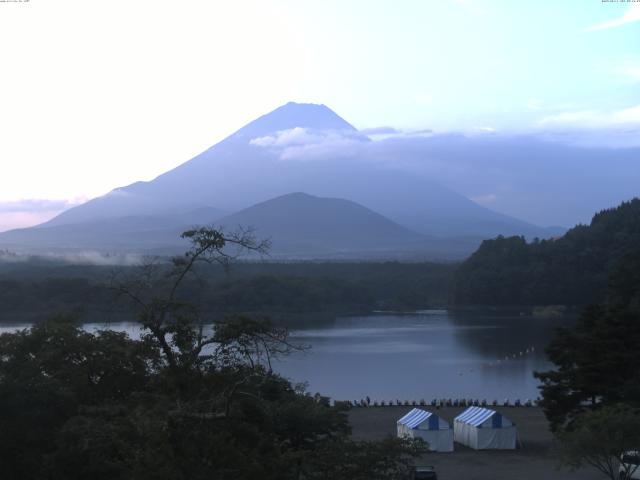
325	147
306	144
87	257
35	205
485	129
419	133
630	16
525	176
283	138
11	220
28	212
590	119
391	146
631	72
594	128
379	131
383	133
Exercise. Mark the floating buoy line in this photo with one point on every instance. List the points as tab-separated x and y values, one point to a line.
503	360
444	402
460	402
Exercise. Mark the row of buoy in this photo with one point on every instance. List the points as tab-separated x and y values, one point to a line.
503	360
512	356
443	402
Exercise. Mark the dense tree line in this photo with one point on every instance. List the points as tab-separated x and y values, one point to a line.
571	270
175	404
27	291
597	361
592	396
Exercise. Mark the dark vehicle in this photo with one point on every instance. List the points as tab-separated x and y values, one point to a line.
425	472
630	465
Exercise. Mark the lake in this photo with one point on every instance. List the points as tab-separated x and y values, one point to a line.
428	354
411	356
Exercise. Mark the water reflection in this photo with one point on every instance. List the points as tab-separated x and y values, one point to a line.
428	354
424	355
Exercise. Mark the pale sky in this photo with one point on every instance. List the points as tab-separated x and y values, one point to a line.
98	94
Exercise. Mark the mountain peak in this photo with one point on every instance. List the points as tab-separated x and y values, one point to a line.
292	115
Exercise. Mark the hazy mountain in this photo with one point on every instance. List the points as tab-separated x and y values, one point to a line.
303	115
303	226
261	161
298	223
547	180
138	232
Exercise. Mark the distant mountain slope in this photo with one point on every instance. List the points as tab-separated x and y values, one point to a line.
303	115
299	226
138	232
572	269
237	173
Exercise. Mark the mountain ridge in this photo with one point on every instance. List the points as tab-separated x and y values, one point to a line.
317	224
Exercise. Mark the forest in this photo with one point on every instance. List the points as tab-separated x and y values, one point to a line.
570	270
31	290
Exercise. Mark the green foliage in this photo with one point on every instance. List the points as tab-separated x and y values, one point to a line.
29	292
50	372
600	437
389	459
624	283
571	270
176	404
597	361
592	396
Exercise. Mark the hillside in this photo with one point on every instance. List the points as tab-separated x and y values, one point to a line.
129	232
572	269
298	223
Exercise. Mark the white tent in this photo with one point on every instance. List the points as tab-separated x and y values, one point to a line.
481	428
428	426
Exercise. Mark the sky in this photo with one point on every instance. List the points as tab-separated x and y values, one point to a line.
95	95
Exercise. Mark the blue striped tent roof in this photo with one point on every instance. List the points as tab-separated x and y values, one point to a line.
415	417
477	416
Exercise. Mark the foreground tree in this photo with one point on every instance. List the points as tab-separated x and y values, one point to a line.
592	398
600	438
169	321
179	403
389	459
50	374
597	361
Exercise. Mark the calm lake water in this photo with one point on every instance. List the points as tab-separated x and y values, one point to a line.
427	354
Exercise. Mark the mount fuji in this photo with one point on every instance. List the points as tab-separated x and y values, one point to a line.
296	148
